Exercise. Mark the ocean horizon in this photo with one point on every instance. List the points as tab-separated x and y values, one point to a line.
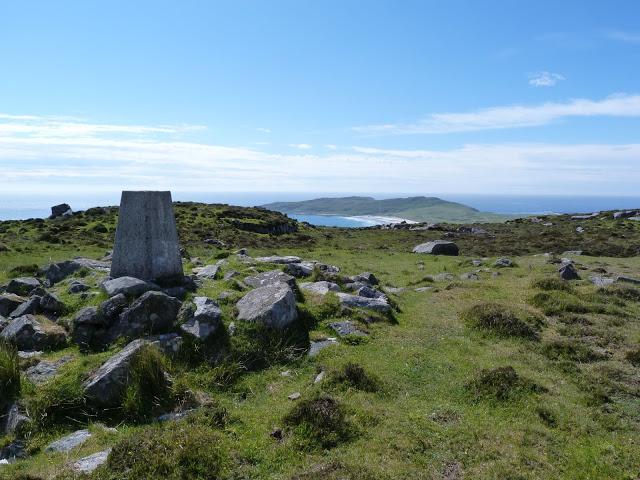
39	206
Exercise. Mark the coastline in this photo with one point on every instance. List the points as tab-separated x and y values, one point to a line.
378	220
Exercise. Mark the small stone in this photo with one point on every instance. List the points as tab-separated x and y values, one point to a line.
316	346
319	377
77	286
69	442
503	262
90	463
294	396
346	327
286	373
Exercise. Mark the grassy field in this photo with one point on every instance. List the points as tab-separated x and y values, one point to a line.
425	395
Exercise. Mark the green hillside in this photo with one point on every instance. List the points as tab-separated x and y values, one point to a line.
419	209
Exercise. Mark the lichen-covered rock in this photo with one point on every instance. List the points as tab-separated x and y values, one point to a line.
89	463
23	285
320	288
51	303
367	278
503	262
279	260
274	306
9	302
299	270
69	442
205	321
30	307
269	278
105	386
356	301
56	272
129	286
32	333
78	287
152	313
437	247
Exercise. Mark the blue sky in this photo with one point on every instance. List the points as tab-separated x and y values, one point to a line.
332	96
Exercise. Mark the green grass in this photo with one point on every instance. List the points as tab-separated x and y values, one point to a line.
503	320
9	374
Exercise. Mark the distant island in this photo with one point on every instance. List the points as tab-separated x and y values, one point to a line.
417	209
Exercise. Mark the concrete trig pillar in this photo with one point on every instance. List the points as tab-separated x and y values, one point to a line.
146	244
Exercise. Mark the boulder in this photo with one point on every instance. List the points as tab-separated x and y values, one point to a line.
51	303
315	347
208	272
89	328
273	305
370	292
30	307
367	278
269	278
503	263
62	210
69	442
356	301
78	286
327	269
9	302
111	309
443	277
568	272
56	272
12	420
437	247
31	333
624	214
320	288
279	260
88	464
23	285
469	276
299	270
152	313
106	386
129	286
346	327
44	370
206	319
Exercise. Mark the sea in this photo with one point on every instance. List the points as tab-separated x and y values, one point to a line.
16	207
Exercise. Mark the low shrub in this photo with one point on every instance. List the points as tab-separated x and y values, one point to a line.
319	421
24	270
355	376
9	373
149	391
503	320
633	357
571	349
501	384
552	283
178	451
623	292
559	302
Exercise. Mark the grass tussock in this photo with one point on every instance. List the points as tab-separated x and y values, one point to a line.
353	375
319	421
561	302
149	391
622	292
551	284
501	384
179	451
503	320
633	357
9	373
572	349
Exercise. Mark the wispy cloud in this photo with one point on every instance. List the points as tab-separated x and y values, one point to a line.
37	160
545	79
331	146
622	36
263	130
512	116
301	146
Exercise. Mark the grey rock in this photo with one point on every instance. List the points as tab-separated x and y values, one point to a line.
580	229
444	277
476	262
106	385
623	279
56	272
316	347
354	286
23	285
111	309
129	286
279	260
294	396
30	307
51	303
9	302
503	262
601	281
320	288
208	272
146	245
469	276
568	272
152	313
62	210
29	333
45	370
327	269
169	343
88	316
68	443
395	290
3	322
215	242
269	278
346	327
624	214
12	420
367	278
356	301
370	292
230	274
437	247
585	217
299	270
422	289
77	287
273	305
205	320
88	464
319	377
12	452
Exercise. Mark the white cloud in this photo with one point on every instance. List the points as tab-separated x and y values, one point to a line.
330	146
44	161
512	116
263	130
545	79
301	146
622	36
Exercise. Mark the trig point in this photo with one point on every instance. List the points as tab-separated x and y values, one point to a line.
146	238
